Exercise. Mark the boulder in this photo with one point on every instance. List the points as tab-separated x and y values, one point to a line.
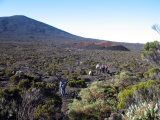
114	116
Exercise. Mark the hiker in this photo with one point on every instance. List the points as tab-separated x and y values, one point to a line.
97	68
100	69
62	85
78	63
81	63
90	73
103	67
106	67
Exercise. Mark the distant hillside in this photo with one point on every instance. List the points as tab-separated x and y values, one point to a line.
101	46
24	29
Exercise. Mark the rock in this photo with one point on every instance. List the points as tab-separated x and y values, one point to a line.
114	116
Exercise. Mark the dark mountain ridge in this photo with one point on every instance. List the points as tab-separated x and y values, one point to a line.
24	29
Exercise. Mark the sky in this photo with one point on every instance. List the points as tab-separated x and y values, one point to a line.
111	20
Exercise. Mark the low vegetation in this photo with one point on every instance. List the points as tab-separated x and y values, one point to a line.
30	76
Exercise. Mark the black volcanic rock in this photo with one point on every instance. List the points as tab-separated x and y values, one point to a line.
24	29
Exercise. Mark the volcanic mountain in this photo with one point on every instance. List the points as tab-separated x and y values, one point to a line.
24	29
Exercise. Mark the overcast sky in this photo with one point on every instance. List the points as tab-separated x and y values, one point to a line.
113	20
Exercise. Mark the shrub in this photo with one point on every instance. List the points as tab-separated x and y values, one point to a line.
8	73
77	83
147	111
139	75
152	70
124	79
79	72
73	76
96	102
66	72
46	87
24	84
14	79
9	101
146	74
45	111
138	93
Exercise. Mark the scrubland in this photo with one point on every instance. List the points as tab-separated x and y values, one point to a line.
30	74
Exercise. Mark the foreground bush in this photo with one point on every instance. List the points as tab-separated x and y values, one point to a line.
124	79
96	102
143	111
138	93
151	53
45	111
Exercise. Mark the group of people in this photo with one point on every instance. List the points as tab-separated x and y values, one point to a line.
101	68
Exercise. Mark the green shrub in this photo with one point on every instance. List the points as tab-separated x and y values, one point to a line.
8	73
66	72
14	79
46	87
10	99
146	74
73	76
140	90
149	47
152	70
77	83
139	75
124	79
43	111
24	84
79	72
117	73
96	102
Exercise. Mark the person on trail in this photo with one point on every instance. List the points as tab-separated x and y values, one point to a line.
100	69
103	67
78	63
62	85
106	67
97	68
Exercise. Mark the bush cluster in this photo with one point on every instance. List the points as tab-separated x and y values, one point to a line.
124	79
77	83
149	48
73	76
96	102
137	93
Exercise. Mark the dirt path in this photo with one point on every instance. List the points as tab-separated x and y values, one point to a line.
71	93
